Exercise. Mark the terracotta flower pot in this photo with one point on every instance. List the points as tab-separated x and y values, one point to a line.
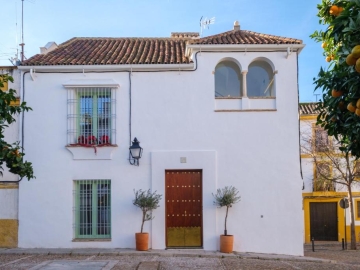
142	241
226	243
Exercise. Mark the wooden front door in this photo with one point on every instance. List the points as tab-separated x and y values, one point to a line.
323	221
183	198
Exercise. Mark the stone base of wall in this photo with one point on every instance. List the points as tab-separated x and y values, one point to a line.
9	233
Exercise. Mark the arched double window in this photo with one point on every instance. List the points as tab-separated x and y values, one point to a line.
228	79
260	80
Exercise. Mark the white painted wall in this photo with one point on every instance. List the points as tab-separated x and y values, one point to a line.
257	152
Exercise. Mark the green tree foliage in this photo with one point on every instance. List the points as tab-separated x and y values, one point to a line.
339	38
146	201
11	154
339	108
226	197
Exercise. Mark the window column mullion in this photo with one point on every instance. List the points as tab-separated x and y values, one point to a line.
244	86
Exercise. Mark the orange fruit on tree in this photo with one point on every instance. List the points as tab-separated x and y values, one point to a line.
351	107
350	60
357	69
340	9
334	10
356	52
357	64
358	103
335	93
357	112
328	59
323	45
332	57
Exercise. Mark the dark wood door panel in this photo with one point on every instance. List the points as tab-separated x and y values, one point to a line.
183	197
323	221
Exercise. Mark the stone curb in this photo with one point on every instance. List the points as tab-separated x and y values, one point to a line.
162	253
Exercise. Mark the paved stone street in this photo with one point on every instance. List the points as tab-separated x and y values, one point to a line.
326	256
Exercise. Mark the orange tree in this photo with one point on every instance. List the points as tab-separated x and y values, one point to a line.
339	107
11	154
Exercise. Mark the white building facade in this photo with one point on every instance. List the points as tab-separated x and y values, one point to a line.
192	118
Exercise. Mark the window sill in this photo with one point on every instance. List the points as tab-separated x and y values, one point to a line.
258	110
91	152
245	104
228	97
91	240
262	97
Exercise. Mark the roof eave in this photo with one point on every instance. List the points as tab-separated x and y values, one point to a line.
109	68
190	48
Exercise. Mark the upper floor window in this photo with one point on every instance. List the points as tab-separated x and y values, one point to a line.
228	80
321	140
260	80
91	116
322	179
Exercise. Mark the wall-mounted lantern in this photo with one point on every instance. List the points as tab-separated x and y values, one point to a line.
135	152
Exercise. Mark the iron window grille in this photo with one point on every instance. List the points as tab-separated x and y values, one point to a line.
322	142
91	116
92	209
323	173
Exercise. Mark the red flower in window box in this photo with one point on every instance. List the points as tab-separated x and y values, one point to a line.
91	139
104	139
82	140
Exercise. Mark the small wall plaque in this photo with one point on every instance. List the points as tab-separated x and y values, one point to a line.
183	160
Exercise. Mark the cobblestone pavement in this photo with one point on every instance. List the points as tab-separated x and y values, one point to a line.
333	251
328	257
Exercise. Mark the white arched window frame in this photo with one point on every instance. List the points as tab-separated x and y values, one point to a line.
228	79
260	79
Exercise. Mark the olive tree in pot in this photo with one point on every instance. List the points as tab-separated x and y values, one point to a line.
146	201
226	197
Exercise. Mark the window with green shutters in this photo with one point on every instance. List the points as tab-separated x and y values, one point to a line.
92	209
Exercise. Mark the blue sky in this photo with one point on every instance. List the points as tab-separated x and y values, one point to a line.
60	20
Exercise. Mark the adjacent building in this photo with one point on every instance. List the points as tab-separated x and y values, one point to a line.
324	218
9	186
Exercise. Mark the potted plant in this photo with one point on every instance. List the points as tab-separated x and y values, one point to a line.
226	197
147	202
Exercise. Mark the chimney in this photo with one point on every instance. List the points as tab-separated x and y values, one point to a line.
236	25
50	46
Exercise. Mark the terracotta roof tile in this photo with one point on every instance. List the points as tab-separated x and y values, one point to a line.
121	51
114	51
185	35
307	108
244	37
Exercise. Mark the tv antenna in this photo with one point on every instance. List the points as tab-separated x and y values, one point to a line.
204	23
22	44
316	95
